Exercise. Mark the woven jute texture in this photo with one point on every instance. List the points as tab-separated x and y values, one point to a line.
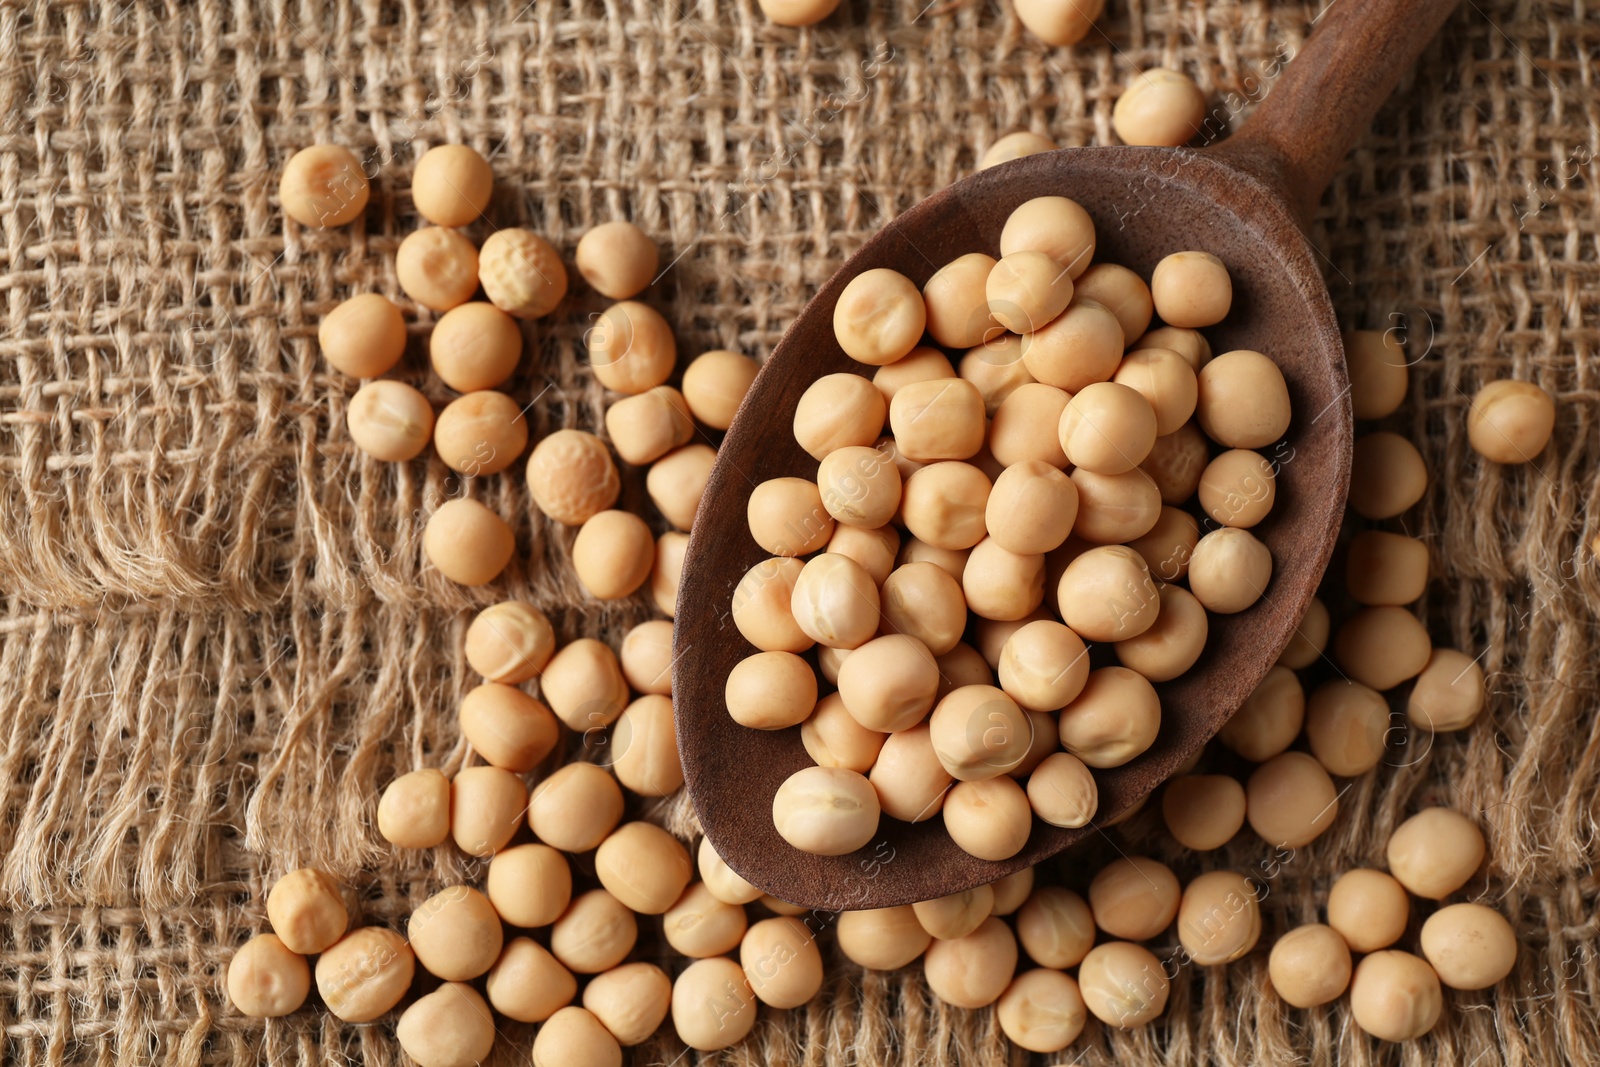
219	641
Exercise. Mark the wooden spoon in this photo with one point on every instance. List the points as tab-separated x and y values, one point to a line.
1248	201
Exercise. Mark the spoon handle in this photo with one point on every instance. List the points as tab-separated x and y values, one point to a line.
1325	97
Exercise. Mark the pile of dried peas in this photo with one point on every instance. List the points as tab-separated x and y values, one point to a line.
970	956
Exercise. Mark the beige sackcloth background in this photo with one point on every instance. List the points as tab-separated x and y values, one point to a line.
219	641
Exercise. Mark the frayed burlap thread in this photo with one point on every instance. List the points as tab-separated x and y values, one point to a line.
219	641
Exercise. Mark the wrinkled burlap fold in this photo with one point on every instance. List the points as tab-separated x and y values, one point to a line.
219	642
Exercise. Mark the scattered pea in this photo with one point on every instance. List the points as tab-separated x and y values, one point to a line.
1056	927
390	420
306	910
1449	693
1347	726
631	348
1160	107
507	727
1203	811
509	642
437	267
529	885
712	1004
1269	719
612	554
955	916
714	384
1395	996
486	806
414	811
1387	475
1379	374
573	1037
451	185
699	925
644	867
583	685
1382	646
364	974
645	748
1290	800
1510	421
781	962
266	980
1134	898
480	433
475	346
972	971
721	880
1470	946
667	571
527	983
1310	637
1385	568
1123	984
631	1001
571	476
1014	146
1435	852
450	1027
576	807
522	275
364	336
1219	918
323	185
468	543
645	427
1041	1010
617	259
595	934
456	934
1310	965
883	939
1368	908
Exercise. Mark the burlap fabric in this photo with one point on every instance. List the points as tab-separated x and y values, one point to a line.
218	640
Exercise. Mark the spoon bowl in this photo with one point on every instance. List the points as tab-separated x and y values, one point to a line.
1244	202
